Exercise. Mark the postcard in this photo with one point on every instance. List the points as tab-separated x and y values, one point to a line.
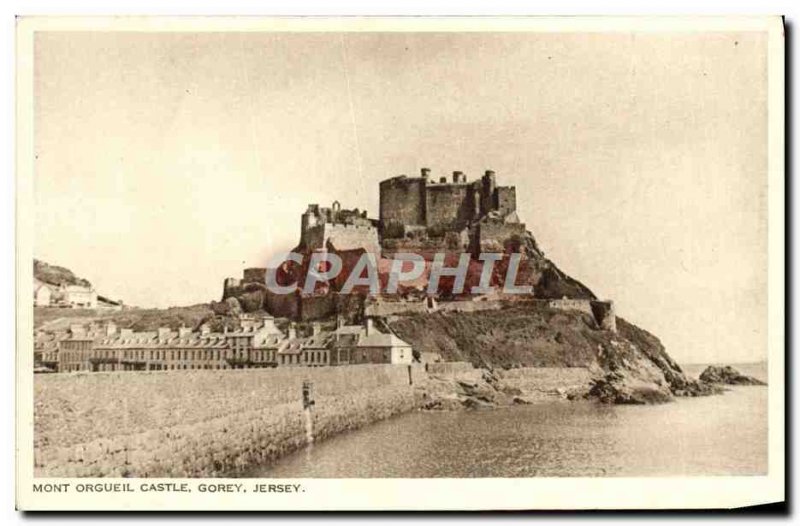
481	263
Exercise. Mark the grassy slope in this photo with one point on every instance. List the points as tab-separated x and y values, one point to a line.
137	319
525	336
511	337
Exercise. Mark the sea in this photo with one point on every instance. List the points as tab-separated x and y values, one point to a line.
716	435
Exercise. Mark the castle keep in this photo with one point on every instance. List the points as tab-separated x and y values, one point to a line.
411	204
419	214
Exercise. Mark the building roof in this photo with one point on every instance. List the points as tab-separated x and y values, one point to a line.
78	288
140	340
357	334
41	285
270	341
380	339
315	342
349	329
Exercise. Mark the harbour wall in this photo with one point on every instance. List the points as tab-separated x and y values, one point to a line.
202	423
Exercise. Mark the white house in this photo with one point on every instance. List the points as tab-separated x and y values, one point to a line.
80	297
42	294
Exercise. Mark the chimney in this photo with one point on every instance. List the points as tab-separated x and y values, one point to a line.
292	331
443	179
425	172
111	328
369	324
458	176
268	325
205	329
184	331
163	333
126	333
316	328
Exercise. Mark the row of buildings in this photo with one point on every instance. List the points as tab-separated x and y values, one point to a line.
257	343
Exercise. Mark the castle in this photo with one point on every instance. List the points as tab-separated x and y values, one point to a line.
425	217
420	215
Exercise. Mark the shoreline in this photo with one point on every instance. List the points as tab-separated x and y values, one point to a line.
364	453
218	424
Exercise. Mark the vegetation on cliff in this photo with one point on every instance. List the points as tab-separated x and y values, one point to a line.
52	318
630	366
56	275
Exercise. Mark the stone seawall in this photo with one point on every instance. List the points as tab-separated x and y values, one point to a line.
449	368
546	382
202	423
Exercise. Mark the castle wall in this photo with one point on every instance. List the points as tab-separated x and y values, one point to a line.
254	275
449	206
602	311
469	305
491	235
426	248
487	192
571	304
506	199
605	315
382	307
230	287
343	237
306	308
402	202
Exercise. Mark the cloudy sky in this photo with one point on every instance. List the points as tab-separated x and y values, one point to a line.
166	162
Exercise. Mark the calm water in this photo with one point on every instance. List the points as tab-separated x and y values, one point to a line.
718	435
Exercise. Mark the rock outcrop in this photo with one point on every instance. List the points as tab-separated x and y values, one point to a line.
725	374
630	366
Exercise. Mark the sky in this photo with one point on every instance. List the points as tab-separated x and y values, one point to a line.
166	162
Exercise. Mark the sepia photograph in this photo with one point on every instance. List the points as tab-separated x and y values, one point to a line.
255	255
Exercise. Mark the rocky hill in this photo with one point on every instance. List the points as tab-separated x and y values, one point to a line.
630	366
56	275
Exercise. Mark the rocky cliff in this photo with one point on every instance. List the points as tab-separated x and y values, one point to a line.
630	366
